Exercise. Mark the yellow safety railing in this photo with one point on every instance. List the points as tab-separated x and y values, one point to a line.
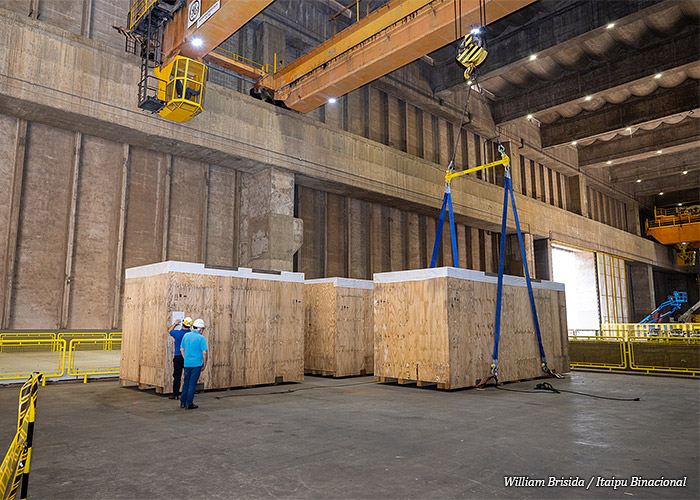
637	350
598	352
664	354
19	358
265	68
137	11
27	335
105	362
14	470
650	329
22	353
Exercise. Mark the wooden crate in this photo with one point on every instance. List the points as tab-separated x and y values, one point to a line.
437	325
254	324
339	331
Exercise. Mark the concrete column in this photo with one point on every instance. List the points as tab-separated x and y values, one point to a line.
634	226
543	260
269	232
514	260
643	300
577	199
269	40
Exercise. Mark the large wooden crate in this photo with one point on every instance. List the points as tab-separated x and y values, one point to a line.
437	325
339	332
254	324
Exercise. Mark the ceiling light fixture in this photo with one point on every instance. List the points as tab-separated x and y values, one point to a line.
680	204
639	180
629	129
611	26
529	117
588	98
657	75
609	162
661	193
658	151
197	42
685	172
533	57
332	100
574	143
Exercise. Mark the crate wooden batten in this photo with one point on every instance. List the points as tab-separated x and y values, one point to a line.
338	323
437	326
254	324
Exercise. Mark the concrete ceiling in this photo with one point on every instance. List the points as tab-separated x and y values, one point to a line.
618	78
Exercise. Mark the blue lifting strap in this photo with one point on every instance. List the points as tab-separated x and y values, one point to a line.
438	231
508	188
453	236
446	205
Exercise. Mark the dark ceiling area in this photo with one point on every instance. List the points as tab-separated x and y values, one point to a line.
616	79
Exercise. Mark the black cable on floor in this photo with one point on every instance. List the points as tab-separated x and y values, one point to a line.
545	387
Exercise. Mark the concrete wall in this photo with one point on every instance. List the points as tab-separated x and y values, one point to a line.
80	209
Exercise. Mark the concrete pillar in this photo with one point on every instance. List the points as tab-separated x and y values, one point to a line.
514	260
577	199
643	299
269	232
543	260
632	213
269	40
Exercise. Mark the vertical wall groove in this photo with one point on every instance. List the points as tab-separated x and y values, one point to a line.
13	226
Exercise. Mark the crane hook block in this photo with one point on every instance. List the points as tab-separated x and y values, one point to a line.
471	53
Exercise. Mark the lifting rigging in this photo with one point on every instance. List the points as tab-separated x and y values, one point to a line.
470	56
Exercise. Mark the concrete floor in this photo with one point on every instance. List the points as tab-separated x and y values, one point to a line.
353	438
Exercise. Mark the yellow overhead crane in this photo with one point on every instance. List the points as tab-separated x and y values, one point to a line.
678	226
176	37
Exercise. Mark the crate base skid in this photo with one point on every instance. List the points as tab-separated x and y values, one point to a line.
339	332
254	324
436	326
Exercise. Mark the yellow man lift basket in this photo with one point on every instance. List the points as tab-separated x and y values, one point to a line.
181	86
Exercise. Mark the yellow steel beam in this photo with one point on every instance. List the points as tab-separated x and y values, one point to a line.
219	20
451	175
669	235
352	36
376	46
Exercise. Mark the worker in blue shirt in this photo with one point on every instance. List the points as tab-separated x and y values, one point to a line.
195	353
178	361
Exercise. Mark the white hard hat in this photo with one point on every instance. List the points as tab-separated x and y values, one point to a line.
187	321
199	323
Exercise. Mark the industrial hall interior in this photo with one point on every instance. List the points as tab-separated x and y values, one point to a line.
349	249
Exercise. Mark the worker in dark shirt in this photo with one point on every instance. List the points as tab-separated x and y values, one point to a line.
178	360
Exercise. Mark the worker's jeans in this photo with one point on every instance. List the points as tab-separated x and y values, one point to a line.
190	384
178	365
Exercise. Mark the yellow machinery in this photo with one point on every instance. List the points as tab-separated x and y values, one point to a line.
679	226
181	86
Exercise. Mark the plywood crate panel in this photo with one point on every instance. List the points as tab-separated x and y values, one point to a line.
437	325
254	324
339	331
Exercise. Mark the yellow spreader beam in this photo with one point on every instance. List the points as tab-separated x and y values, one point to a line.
451	175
